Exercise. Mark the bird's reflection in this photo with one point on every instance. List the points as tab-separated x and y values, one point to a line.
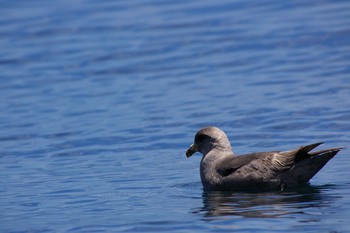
262	205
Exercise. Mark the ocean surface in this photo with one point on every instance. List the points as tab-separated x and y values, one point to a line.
99	101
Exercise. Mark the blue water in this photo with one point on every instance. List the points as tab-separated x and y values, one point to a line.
99	101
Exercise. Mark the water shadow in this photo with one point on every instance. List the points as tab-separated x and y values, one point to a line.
263	204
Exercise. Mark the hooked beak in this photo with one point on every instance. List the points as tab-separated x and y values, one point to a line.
193	149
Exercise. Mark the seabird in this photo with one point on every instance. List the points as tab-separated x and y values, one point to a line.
221	169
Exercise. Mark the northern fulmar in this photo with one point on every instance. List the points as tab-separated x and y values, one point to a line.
221	169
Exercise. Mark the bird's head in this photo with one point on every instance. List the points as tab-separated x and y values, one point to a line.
207	139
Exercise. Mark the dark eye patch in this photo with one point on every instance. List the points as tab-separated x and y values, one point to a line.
200	138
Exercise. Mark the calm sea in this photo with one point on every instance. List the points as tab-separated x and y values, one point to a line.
99	101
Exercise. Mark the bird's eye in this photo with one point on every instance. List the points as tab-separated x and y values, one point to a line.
200	138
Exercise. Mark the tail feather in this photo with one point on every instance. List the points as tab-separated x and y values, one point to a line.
337	149
307	168
307	163
308	148
304	151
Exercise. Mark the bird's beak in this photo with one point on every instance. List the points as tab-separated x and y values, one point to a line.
193	149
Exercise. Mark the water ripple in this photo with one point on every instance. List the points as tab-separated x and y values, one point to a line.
100	100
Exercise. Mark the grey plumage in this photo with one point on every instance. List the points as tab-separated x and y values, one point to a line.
221	169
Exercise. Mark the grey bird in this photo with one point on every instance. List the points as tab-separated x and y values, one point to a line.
221	169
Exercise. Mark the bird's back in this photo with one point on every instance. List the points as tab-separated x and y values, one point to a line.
270	170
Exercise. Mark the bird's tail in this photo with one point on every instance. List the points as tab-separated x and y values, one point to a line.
311	162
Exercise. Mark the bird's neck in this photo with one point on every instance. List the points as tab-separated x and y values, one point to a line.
208	170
